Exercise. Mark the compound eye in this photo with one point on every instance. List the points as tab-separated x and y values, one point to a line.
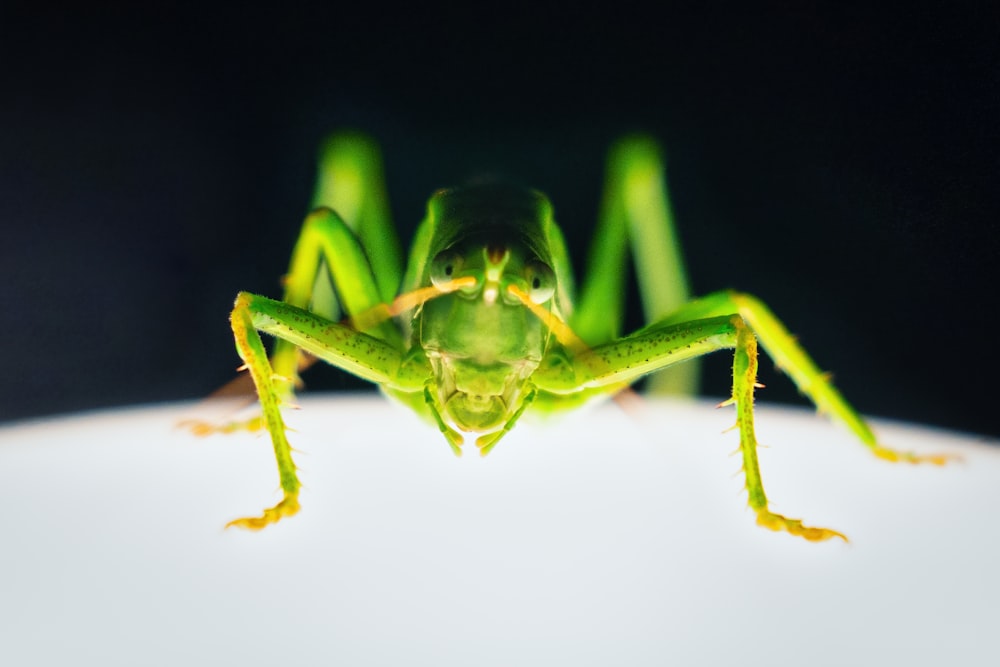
541	281
445	267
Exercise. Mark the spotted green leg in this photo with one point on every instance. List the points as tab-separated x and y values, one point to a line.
637	216
331	273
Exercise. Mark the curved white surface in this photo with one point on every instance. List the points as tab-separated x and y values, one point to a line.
594	540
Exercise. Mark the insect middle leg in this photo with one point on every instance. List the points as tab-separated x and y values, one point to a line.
791	358
325	240
343	262
636	219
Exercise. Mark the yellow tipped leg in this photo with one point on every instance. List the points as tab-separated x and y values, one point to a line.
789	356
232	397
288	506
251	350
202	428
794	361
744	379
778	522
897	456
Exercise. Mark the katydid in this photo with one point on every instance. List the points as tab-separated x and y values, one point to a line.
481	326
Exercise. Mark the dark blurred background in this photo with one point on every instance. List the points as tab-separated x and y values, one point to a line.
840	162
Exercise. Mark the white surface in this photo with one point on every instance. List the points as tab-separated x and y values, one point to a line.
593	540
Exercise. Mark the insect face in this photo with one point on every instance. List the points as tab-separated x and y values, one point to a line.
482	343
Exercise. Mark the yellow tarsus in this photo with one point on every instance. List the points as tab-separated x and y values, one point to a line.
203	428
910	457
289	506
778	522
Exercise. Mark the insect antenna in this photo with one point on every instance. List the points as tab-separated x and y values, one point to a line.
406	301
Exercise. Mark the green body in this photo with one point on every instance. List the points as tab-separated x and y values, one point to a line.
478	347
481	326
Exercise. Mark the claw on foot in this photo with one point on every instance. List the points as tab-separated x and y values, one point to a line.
778	522
205	428
286	508
910	457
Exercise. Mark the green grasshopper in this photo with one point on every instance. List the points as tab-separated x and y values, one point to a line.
481	325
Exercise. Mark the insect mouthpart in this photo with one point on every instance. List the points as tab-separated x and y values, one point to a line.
478	413
477	396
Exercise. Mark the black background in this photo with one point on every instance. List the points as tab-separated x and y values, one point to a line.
840	162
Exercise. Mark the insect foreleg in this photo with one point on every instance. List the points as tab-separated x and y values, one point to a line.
665	343
251	350
338	344
744	379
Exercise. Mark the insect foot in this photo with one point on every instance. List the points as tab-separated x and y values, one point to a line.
203	428
289	506
910	457
794	526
